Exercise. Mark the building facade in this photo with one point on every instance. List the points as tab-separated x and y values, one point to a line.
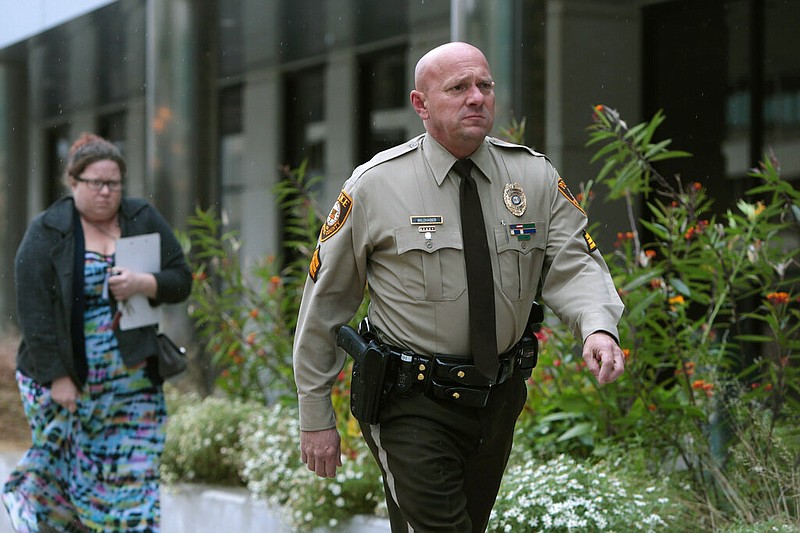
210	99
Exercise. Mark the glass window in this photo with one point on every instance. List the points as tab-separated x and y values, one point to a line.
112	127
303	29
58	142
380	20
708	92
54	77
383	100
231	34
305	115
231	154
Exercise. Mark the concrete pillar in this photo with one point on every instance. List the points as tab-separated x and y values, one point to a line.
262	161
592	56
13	188
340	122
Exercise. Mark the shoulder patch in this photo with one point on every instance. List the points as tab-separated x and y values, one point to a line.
563	189
337	217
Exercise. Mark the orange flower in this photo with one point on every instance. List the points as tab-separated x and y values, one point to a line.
676	300
768	386
651	407
622	237
650	254
626	352
778	298
698	384
688	367
599	108
254	312
695	186
274	283
251	338
697	229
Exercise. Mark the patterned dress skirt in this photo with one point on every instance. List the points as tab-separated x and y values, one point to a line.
95	469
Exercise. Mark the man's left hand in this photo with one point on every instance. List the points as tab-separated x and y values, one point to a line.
603	357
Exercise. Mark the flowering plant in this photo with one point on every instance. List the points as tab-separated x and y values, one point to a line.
203	440
273	470
246	313
562	494
709	308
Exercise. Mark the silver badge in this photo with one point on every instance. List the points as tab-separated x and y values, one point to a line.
514	198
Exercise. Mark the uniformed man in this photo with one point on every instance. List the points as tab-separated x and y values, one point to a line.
398	226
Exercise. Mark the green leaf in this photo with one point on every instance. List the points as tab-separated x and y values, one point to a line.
641	280
680	286
576	431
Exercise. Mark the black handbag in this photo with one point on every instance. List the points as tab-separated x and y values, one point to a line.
171	357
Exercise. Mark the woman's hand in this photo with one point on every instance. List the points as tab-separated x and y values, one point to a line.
65	393
124	283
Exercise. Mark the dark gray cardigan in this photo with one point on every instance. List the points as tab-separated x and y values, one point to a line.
44	287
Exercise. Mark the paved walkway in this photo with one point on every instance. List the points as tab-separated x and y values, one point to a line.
204	509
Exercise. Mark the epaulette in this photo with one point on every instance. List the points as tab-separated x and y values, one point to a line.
388	155
505	144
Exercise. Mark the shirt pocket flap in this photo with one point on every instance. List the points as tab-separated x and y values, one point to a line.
410	238
505	241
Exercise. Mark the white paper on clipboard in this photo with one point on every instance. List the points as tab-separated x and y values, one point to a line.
141	253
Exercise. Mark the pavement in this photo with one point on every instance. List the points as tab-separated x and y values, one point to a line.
199	509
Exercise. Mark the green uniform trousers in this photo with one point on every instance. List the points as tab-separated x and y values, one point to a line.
442	463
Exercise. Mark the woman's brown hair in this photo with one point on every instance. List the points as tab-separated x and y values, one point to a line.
90	148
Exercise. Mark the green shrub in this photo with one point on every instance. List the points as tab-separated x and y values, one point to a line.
203	440
273	470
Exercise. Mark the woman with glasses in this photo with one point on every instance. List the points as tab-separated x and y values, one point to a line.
91	391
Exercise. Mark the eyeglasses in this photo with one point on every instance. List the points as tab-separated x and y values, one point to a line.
97	185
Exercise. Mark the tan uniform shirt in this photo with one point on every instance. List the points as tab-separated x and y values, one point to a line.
396	226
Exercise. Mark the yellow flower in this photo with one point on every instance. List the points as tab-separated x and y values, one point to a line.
676	300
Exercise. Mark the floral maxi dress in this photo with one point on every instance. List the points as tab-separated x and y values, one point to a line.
95	469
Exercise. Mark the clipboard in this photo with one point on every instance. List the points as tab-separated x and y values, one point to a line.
141	253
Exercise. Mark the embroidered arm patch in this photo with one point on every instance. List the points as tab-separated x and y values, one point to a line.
337	217
563	189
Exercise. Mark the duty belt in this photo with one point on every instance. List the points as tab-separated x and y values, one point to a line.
454	378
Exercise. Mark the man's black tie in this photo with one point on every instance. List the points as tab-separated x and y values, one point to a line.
480	281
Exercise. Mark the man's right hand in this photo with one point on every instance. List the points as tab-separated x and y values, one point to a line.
321	451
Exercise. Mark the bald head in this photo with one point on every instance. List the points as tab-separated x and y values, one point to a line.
435	60
454	96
